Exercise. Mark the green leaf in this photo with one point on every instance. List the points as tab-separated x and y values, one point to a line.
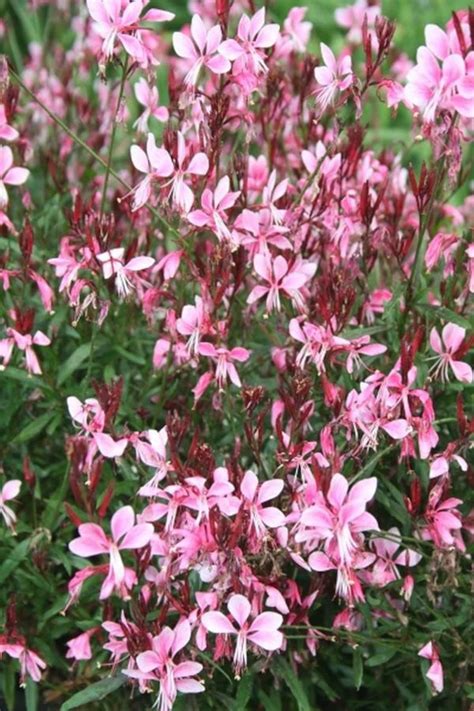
33	428
14	559
9	685
74	362
357	668
445	314
31	695
381	658
95	692
244	692
284	670
132	357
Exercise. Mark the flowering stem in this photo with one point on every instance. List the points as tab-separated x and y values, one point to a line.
112	138
87	148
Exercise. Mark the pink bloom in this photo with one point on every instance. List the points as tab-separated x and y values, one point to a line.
262	632
193	323
452	337
341	516
296	32
79	648
334	76
125	535
9	175
224	358
279	277
156	163
158	664
24	342
148	97
353	17
113	266
435	671
201	50
443	520
113	21
254	496
9	491
252	37
214	205
431	87
7	133
389	557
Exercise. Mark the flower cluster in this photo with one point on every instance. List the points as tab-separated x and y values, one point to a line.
256	335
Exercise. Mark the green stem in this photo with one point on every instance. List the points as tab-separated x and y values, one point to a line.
87	148
112	139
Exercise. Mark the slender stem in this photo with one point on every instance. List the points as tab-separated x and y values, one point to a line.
373	460
87	148
112	138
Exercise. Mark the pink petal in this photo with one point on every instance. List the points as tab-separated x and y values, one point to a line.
337	490
239	608
267	37
148	661
453	69
138	536
217	623
240	354
437	41
249	484
11	489
272	517
462	371
398	429
189	686
199	164
435	341
320	562
122	521
182	635
108	447
86	546
198	218
453	336
270	490
186	668
267	640
199	32
139	159
158	16
16	176
364	490
138	263
266	621
230	49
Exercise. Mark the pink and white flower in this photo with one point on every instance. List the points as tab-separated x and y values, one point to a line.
126	535
200	50
452	337
262	632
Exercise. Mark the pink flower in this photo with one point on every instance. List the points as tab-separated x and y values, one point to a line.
443	520
254	496
431	87
435	671
252	37
334	76
262	632
9	491
213	209
113	266
7	133
296	32
79	648
353	17
9	175
279	277
341	516
148	97
113	21
24	342
201	50
452	338
158	664
224	358
125	536
156	163
193	323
